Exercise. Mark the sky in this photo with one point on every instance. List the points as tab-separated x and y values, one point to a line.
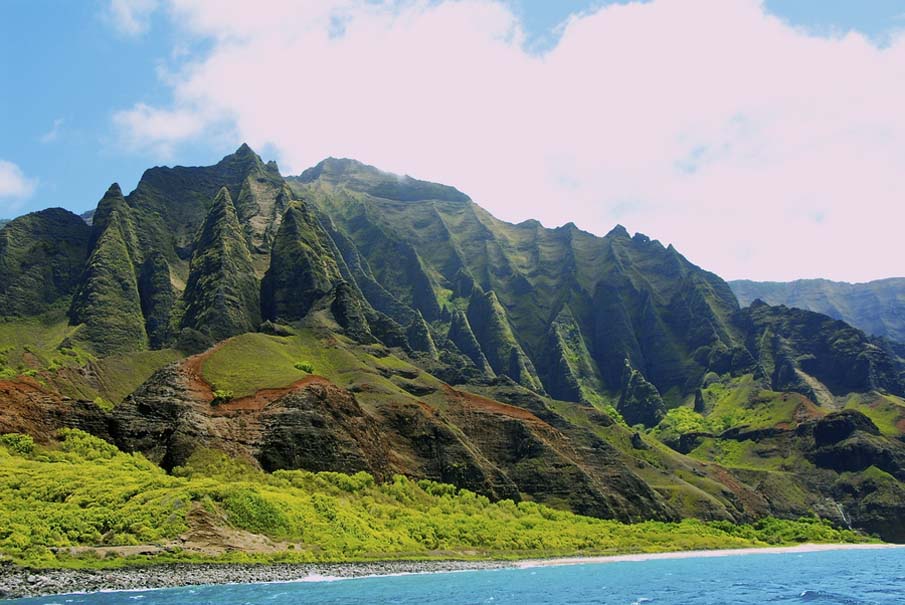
764	139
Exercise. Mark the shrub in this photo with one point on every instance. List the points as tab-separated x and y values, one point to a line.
248	509
87	493
86	446
684	420
18	443
304	366
103	403
222	396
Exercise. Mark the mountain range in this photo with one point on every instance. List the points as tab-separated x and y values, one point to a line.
349	319
877	307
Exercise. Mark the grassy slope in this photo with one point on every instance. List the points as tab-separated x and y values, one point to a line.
250	362
887	411
85	492
34	343
114	377
680	479
36	346
254	361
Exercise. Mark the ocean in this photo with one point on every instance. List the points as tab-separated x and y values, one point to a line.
852	577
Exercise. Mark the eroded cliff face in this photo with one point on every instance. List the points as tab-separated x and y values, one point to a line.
29	408
474	442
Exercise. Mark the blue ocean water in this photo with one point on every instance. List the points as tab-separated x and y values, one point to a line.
832	577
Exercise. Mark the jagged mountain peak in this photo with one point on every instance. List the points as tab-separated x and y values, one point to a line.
302	269
223	198
41	257
365	178
222	295
336	168
245	150
618	231
246	156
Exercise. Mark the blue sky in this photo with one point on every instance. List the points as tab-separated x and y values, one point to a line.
69	67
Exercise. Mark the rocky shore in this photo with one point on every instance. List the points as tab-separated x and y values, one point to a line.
18	582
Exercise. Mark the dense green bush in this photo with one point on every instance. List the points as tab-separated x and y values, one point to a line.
304	366
18	443
85	492
222	396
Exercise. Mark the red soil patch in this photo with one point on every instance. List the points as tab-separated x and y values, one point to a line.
748	498
27	407
192	365
807	410
489	405
257	401
260	399
900	425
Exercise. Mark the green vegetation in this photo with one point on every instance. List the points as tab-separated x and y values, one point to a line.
569	370
39	343
734	403
84	492
107	303
687	484
222	396
640	402
304	366
222	295
42	255
886	411
302	268
255	361
17	443
44	347
491	328
680	421
112	378
387	287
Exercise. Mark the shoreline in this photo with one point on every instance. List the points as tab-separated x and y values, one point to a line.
17	582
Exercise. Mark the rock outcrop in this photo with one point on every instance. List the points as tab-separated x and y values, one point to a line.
640	402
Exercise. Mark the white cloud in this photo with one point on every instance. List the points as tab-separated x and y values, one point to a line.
54	132
15	187
145	128
130	17
758	149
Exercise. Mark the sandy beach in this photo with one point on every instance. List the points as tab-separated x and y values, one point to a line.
17	582
691	554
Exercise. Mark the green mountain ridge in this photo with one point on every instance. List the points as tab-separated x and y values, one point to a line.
877	307
222	295
348	320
